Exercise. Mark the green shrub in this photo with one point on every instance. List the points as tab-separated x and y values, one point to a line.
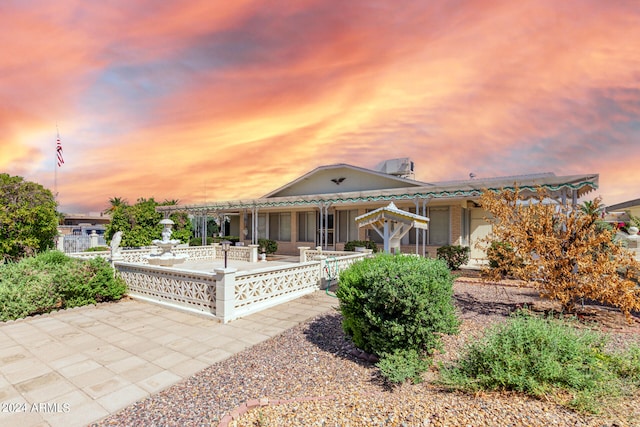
454	256
52	280
98	249
401	365
197	241
353	244
270	246
25	292
232	239
90	282
544	357
395	305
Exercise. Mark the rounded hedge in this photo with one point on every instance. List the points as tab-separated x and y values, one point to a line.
397	302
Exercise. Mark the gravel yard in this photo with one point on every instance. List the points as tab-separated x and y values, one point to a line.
313	369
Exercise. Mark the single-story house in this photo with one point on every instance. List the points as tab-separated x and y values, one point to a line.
319	208
631	207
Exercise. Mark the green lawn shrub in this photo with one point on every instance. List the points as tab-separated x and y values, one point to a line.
396	306
353	244
52	280
545	357
454	255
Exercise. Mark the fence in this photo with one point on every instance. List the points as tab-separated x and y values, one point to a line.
228	294
72	243
140	256
185	289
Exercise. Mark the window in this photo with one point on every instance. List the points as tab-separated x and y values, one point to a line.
307	226
347	227
465	226
280	226
438	226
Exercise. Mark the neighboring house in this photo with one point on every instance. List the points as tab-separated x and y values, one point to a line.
319	208
631	207
84	224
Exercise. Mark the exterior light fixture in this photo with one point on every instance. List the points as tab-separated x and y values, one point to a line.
225	248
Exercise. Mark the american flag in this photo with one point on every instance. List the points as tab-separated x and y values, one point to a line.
59	152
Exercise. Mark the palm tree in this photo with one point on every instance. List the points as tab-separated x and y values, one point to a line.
115	203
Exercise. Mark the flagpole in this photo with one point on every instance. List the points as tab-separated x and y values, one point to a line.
55	167
59	161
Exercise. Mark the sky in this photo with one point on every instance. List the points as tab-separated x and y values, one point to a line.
205	100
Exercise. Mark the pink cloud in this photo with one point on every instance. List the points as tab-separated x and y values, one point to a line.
165	100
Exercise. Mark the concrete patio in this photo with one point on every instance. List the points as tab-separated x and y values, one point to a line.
74	367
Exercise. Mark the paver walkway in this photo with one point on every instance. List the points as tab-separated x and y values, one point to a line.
74	367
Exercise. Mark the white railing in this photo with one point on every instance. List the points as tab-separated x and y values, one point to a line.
258	289
238	253
227	293
140	256
334	265
186	289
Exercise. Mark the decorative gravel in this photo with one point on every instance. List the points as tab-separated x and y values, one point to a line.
310	376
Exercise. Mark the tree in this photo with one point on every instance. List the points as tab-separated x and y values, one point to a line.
115	202
561	251
140	223
28	218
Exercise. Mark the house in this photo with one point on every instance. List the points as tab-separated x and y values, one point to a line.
319	208
624	209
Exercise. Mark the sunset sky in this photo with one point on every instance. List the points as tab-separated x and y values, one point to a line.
215	100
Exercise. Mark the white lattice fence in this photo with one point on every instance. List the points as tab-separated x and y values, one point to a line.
238	253
259	289
191	290
196	252
335	265
313	253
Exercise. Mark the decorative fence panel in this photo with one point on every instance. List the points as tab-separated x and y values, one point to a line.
229	294
191	290
238	253
259	289
334	265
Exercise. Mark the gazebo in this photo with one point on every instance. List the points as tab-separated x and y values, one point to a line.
392	224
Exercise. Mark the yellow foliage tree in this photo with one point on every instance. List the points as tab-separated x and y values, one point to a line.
561	250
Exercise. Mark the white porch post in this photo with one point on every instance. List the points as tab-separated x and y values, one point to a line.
93	239
253	254
417	232
303	253
385	236
225	293
424	232
321	234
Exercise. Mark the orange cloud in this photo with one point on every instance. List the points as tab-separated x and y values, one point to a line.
202	100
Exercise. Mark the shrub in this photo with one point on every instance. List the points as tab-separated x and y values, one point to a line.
270	246
560	250
454	256
90	282
543	358
98	249
353	244
197	241
232	239
501	258
52	281
395	305
401	365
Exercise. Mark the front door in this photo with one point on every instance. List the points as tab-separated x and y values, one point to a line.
479	229
326	229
